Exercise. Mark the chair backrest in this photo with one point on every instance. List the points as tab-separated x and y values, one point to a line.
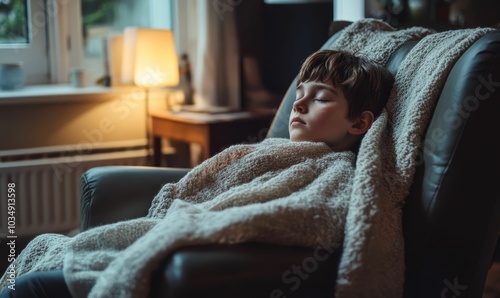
451	218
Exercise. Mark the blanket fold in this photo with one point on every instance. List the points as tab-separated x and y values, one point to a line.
282	192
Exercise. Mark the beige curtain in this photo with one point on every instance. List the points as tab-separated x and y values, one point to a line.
207	33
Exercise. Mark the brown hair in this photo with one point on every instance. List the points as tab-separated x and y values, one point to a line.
366	85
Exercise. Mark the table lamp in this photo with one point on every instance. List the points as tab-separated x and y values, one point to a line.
149	60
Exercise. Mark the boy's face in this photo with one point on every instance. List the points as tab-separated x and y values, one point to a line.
319	114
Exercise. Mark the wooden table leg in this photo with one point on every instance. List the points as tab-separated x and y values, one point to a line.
157	152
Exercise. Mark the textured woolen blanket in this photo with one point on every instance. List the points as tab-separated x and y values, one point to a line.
282	192
277	191
372	262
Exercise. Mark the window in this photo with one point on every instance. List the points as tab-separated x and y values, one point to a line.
23	37
348	10
13	22
50	37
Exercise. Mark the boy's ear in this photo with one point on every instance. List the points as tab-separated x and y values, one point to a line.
364	122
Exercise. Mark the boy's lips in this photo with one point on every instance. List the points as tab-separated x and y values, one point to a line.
297	120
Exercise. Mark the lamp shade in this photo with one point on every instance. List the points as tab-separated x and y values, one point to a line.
149	58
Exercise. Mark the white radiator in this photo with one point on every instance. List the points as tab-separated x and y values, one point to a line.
48	189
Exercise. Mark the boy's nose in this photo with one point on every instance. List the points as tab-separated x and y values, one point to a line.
299	106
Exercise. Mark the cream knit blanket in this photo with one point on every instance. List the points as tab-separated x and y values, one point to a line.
282	192
276	191
372	262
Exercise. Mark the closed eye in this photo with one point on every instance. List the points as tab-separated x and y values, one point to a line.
322	100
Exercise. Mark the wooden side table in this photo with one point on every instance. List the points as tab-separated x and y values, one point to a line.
213	132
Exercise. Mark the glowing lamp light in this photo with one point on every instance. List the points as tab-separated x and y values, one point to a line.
149	58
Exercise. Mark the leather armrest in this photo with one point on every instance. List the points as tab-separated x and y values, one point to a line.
248	270
113	193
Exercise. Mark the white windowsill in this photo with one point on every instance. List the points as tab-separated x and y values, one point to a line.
41	94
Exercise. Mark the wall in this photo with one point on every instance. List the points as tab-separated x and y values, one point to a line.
93	120
62	118
277	38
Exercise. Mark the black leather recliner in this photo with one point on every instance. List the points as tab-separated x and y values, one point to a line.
451	217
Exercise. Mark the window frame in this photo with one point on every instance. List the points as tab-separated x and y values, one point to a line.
64	39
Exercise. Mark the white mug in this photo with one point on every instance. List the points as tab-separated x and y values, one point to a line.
78	77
